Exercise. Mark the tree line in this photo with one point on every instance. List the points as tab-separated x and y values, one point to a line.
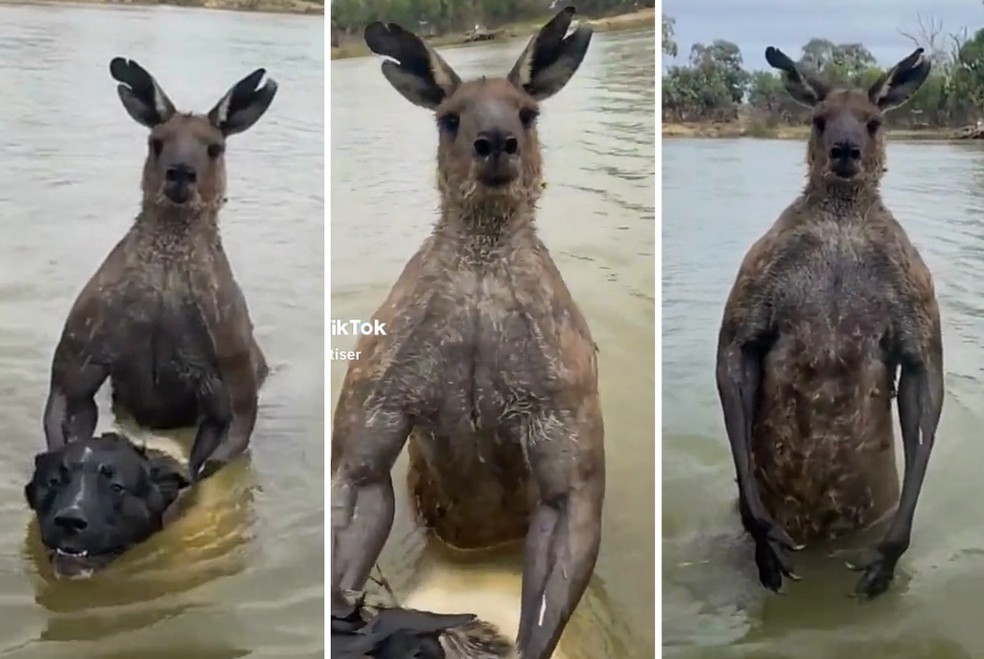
713	84
441	16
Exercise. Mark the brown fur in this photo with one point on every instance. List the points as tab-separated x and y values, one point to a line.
487	366
163	317
826	307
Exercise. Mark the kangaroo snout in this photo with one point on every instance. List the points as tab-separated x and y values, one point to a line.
844	158
495	142
496	154
179	182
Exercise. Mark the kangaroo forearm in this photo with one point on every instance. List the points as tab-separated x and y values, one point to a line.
362	516
55	415
237	437
560	556
67	419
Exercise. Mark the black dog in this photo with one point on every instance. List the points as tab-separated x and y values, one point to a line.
96	498
359	631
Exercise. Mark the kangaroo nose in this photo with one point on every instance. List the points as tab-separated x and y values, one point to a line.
845	151
71	520
180	174
495	142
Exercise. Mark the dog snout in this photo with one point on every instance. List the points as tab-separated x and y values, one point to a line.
71	520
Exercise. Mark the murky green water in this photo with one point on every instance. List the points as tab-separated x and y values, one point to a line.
242	573
718	197
597	219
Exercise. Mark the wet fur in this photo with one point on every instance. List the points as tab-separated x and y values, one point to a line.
827	306
153	481
386	632
163	317
487	366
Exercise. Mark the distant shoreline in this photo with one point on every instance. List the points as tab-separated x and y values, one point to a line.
354	46
297	7
735	129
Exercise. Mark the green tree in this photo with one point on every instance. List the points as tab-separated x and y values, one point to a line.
721	62
968	73
669	44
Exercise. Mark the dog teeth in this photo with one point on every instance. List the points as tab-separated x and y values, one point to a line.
74	554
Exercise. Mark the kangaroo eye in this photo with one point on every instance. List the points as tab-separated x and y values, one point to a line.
215	150
527	117
820	123
156	145
874	125
449	122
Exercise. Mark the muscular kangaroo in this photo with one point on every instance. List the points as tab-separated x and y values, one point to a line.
163	317
826	309
487	364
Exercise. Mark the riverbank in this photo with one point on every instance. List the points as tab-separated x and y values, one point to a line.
734	129
306	7
354	45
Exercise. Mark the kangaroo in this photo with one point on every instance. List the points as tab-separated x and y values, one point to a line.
163	317
487	364
826	308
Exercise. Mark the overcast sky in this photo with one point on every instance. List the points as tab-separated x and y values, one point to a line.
788	24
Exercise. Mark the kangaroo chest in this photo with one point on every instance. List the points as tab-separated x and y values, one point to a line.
161	331
481	354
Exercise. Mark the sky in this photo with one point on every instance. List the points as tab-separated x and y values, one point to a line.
788	24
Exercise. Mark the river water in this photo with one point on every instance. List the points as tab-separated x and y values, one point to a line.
597	219
718	197
242	572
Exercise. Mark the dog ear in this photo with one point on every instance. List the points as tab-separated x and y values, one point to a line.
30	493
41	461
166	473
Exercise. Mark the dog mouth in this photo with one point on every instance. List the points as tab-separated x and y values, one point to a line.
79	564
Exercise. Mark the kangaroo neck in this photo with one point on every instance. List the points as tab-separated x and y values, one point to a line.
174	225
483	231
841	200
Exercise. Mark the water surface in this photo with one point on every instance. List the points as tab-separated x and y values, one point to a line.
242	573
597	219
718	197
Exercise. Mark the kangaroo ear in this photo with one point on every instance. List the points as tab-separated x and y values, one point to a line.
551	57
244	104
415	70
804	88
142	97
899	83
